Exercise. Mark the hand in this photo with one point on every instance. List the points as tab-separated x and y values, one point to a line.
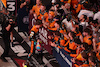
94	40
96	30
24	3
31	12
53	44
73	60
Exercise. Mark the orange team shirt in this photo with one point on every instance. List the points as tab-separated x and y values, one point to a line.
75	55
40	15
78	34
32	42
74	2
72	46
98	56
83	65
62	42
98	44
79	57
51	24
34	29
80	6
87	40
66	1
36	9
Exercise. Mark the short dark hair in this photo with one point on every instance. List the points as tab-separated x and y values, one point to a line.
90	19
77	40
87	30
95	21
93	59
85	45
38	22
93	53
85	17
43	5
57	33
84	55
73	34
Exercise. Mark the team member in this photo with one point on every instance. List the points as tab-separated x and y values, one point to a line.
34	36
57	41
81	60
87	38
92	61
42	12
79	6
70	45
78	50
50	19
35	9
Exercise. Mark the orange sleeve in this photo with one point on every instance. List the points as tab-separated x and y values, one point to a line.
66	43
73	55
62	0
62	42
59	47
85	65
98	56
69	1
89	42
78	8
61	31
54	29
33	28
76	65
66	49
32	46
40	17
33	8
46	15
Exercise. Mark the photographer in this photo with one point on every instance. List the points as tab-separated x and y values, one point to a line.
26	3
7	27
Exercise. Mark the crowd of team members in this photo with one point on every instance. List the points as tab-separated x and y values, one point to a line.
72	28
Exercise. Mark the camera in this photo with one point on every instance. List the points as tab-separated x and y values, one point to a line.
10	21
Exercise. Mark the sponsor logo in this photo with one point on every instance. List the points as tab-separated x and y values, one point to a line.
11	6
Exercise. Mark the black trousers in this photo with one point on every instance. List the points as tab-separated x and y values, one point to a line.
40	53
6	39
